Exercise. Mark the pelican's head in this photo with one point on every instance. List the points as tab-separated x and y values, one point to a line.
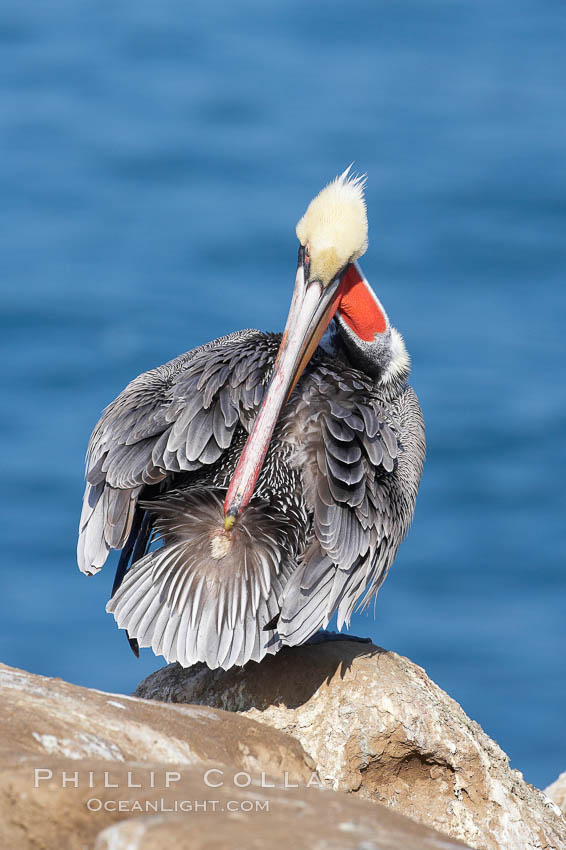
334	230
333	233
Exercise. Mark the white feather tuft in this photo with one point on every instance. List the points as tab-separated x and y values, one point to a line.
400	363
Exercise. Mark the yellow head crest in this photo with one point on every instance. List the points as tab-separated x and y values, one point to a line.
335	226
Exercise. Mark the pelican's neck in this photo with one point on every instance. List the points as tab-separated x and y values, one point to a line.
372	344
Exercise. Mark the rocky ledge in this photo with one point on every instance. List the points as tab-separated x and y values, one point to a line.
335	746
85	770
375	724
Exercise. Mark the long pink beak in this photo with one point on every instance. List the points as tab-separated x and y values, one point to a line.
312	309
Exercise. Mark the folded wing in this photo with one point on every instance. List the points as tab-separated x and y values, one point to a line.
350	450
176	418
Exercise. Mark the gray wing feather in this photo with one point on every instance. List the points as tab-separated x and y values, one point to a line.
304	612
178	417
362	458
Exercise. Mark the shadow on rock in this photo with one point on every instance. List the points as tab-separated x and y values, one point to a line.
288	679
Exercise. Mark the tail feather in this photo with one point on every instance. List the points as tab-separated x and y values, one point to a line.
206	595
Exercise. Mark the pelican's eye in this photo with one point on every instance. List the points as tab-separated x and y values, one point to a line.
307	260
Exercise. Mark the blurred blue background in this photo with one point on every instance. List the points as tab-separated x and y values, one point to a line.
155	159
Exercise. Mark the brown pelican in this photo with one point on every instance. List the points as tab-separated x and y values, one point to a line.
279	472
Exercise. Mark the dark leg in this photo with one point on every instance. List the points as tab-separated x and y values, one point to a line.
139	552
136	542
126	552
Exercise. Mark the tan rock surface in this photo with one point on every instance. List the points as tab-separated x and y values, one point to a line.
74	761
65	813
42	716
557	791
374	723
305	820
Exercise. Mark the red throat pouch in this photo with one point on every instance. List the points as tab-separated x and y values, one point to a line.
358	307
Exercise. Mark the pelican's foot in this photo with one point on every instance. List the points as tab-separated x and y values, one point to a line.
323	636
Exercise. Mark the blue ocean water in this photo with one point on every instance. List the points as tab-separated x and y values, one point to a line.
155	159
